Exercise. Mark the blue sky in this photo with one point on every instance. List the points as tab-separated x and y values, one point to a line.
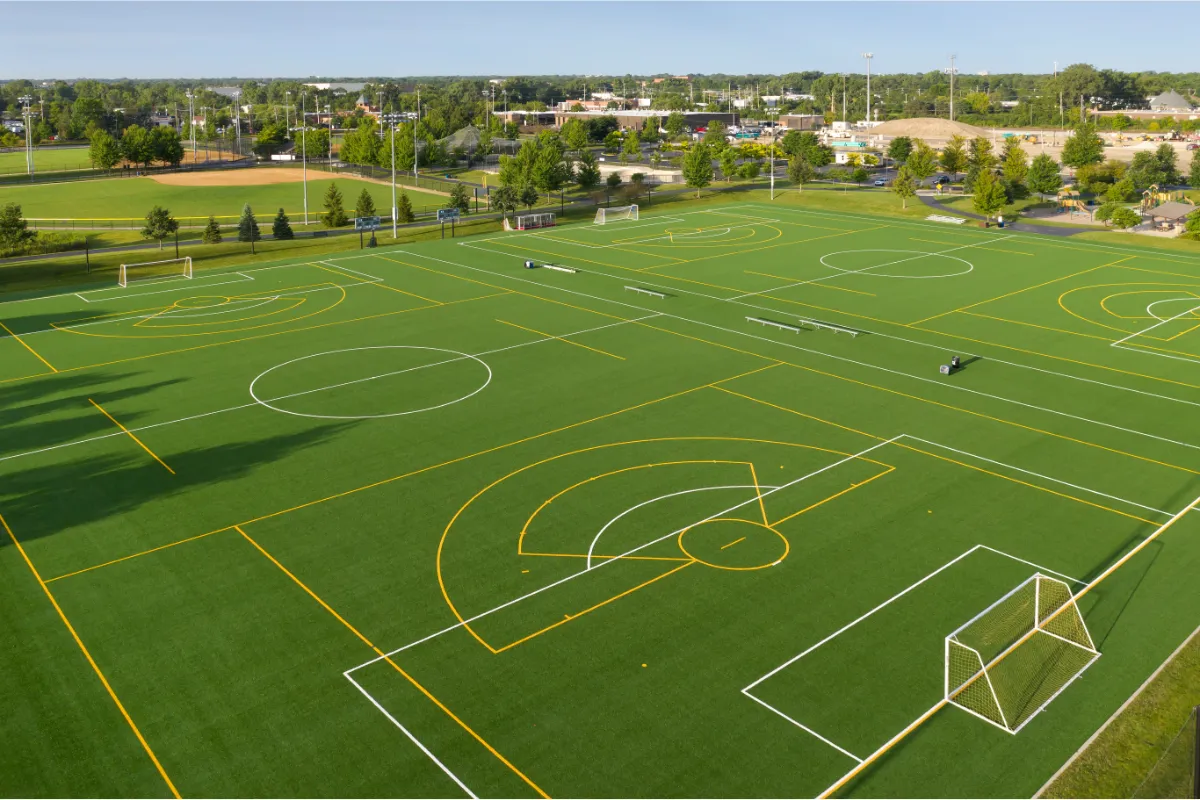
301	39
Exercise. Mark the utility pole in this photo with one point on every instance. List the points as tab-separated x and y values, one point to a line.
25	101
191	98
417	120
868	57
304	151
287	124
952	71
843	98
394	208
380	95
237	120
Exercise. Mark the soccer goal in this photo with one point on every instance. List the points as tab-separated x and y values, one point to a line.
527	222
167	268
1007	664
616	214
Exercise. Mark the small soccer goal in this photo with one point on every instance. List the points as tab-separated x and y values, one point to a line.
167	268
1007	664
616	214
527	222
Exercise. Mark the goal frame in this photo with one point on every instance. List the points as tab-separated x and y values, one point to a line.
1037	625
529	222
186	261
618	213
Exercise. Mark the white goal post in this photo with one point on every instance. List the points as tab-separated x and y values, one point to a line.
167	268
527	222
1013	658
616	214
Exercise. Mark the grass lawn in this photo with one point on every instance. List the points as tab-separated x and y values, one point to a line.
46	159
420	521
128	199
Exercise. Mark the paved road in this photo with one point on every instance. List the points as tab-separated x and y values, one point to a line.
1023	227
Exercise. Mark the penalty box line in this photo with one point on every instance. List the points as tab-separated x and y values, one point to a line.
614	559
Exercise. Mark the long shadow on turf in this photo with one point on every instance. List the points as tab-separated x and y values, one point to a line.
27	324
50	499
53	410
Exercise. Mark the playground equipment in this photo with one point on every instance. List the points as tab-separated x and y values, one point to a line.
1153	198
1069	202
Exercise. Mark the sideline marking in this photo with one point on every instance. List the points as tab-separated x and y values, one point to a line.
562	339
95	668
24	344
131	435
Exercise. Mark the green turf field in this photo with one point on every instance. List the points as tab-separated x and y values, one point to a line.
130	198
46	159
424	522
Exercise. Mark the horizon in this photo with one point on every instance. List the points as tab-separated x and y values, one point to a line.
719	38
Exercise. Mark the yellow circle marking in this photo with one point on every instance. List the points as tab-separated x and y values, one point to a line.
786	545
194	302
1063	306
1104	303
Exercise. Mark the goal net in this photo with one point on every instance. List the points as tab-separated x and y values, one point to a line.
1017	655
167	268
616	214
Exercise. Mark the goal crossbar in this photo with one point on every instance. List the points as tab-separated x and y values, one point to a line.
616	214
156	268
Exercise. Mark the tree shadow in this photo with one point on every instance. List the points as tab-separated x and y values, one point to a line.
47	499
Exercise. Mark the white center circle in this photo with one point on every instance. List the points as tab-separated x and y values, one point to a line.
912	255
453	356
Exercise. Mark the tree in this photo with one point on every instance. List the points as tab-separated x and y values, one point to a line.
899	149
905	185
613	181
529	195
364	206
715	135
799	171
989	195
1145	171
1084	147
1105	212
404	209
587	175
1194	174
136	146
549	171
575	134
697	167
649	133
612	141
505	200
1016	161
104	151
270	139
922	161
954	156
807	144
212	232
728	160
980	156
248	226
361	145
165	146
281	227
159	225
751	169
676	125
859	176
1124	218
335	215
459	198
1122	191
633	144
979	102
1167	164
14	230
1043	176
1191	228
314	143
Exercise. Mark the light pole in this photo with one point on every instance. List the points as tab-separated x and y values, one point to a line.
843	99
394	208
237	119
25	101
380	95
191	97
868	57
304	152
417	121
952	70
287	97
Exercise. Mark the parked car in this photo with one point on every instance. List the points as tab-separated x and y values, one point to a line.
941	180
880	182
1193	146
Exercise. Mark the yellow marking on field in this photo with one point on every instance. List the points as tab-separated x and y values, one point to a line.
762	506
772	246
1036	325
135	555
130	434
1111	313
1016	292
731	544
814	282
380	284
974	246
390	661
819	503
561	339
25	344
604	558
91	661
589	610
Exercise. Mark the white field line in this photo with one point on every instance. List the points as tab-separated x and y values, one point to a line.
756	498
1156	325
1039	475
1137	693
190	285
305	392
941	384
347	269
916	342
801	726
975	713
175	312
672	236
863	271
1076	581
411	738
1144	352
764	220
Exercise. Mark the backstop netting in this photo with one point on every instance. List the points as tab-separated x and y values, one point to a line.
616	214
167	268
1017	655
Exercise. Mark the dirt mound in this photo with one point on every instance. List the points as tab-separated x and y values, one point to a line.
927	128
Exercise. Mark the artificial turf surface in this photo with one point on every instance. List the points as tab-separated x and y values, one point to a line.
424	522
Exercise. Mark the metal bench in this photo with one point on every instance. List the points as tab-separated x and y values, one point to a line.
642	290
781	325
829	326
944	218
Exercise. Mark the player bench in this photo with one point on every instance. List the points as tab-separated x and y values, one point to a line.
642	290
781	325
944	218
829	326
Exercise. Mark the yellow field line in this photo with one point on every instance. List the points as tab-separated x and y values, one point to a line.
818	284
758	492
1036	325
135	555
377	283
388	659
129	433
95	668
608	558
731	544
601	604
1018	291
848	489
977	247
561	339
25	344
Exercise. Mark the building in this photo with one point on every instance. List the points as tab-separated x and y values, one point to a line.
636	119
1170	102
801	122
162	120
344	88
527	117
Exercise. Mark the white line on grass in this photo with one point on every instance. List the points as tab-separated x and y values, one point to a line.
802	727
1156	325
